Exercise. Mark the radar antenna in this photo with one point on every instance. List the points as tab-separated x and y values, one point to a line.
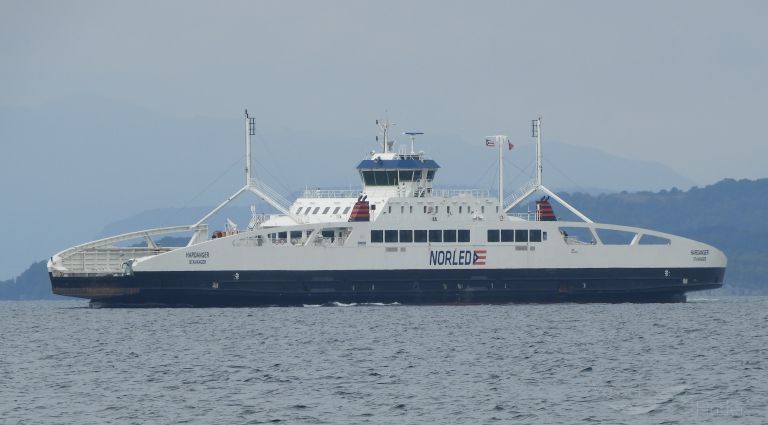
412	135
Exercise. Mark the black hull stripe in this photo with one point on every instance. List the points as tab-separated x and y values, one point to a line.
437	286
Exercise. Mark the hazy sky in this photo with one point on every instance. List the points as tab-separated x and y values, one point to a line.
682	83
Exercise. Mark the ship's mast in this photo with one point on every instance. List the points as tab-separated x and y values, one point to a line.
250	130
537	185
253	185
384	129
499	141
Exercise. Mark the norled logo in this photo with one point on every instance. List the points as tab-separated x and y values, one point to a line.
457	257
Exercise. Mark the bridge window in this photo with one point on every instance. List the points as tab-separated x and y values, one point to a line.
419	235
406	236
430	175
521	236
463	235
377	236
406	175
368	178
435	235
535	235
507	235
493	235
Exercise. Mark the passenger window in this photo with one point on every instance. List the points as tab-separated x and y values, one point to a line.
493	235
307	211
463	235
377	236
346	210
435	235
295	234
419	235
316	210
298	211
521	236
535	235
336	210
325	211
544	236
389	209
390	236
448	209
449	236
459	209
406	236
507	235
654	240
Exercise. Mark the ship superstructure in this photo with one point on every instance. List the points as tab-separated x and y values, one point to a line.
396	239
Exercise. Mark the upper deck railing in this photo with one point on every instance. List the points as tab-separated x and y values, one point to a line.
332	193
428	192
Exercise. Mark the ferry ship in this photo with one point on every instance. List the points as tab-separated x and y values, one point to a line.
395	240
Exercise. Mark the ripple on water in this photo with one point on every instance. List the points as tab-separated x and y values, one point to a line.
657	363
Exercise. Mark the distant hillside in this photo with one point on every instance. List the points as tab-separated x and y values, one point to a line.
729	215
33	284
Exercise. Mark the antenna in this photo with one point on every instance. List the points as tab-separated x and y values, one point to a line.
384	129
412	135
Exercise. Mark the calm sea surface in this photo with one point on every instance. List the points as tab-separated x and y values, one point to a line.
700	362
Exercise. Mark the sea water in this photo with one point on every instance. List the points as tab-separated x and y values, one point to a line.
699	362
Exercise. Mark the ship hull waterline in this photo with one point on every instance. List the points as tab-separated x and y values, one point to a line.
419	287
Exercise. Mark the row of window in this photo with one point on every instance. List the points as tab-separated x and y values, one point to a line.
435	209
419	236
516	235
325	211
393	177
